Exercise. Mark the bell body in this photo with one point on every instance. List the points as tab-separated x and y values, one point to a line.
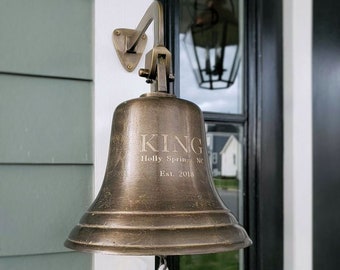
157	197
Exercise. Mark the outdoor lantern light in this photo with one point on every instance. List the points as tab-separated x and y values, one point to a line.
212	43
158	196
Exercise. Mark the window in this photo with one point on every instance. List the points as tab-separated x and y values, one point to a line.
249	109
211	73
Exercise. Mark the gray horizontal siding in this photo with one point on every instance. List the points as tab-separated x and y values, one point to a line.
46	157
46	37
40	204
60	261
45	120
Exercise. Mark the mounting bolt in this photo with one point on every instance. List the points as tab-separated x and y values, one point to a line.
129	67
143	36
143	72
117	33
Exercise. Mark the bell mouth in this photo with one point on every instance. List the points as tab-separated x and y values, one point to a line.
198	232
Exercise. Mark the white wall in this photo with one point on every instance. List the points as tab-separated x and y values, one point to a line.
298	134
114	85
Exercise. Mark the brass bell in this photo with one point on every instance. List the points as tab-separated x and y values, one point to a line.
158	195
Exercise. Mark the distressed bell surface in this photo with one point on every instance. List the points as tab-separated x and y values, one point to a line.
158	196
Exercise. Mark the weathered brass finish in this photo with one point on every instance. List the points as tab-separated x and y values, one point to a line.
157	197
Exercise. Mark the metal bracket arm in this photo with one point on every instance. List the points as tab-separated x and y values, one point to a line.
130	43
153	13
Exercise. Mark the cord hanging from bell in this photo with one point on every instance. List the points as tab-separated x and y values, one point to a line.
162	263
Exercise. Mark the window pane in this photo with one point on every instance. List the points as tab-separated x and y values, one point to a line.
210	54
224	143
225	148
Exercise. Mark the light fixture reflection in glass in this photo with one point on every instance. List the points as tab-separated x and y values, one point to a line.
212	43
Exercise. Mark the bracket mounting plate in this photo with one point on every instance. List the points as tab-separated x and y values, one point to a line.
121	40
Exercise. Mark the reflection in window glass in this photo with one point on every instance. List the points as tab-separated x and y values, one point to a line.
225	148
210	46
225	156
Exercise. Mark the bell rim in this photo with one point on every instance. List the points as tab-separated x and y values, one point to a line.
158	250
158	241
